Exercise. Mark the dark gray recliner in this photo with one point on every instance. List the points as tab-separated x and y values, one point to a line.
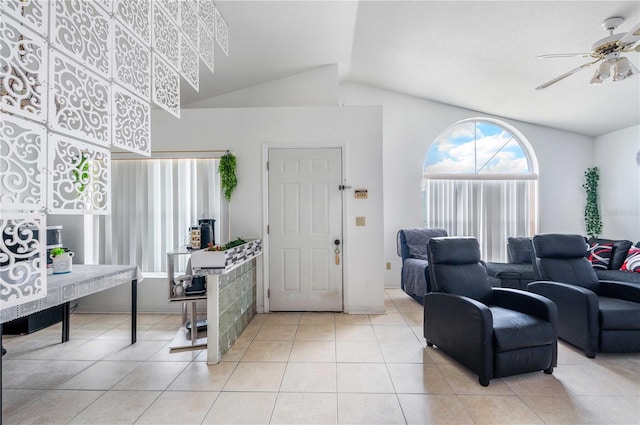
495	332
595	315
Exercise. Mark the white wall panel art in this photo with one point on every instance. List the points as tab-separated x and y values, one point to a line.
22	258
32	13
190	23
166	38
172	7
135	15
23	70
80	177
166	86
207	47
79	103
131	122
222	32
207	15
131	62
22	164
189	63
82	30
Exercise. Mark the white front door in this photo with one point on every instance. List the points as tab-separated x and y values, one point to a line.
305	221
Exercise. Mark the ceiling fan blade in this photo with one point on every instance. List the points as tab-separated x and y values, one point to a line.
565	75
563	55
631	36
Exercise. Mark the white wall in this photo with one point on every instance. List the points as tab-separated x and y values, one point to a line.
615	156
316	87
411	124
245	131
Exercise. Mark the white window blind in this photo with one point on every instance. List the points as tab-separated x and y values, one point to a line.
154	201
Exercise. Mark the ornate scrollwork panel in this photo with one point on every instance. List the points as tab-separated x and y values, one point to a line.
166	37
131	122
222	33
106	5
207	48
23	70
32	13
166	86
136	16
22	258
189	66
131	62
172	7
79	103
79	177
190	26
83	31
22	164
207	15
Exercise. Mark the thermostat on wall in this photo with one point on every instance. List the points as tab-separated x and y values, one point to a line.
360	194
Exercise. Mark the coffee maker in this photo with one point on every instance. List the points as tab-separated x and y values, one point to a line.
207	232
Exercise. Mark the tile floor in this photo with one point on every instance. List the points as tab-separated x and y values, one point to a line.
291	368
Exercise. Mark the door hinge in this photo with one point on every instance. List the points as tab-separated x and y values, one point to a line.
268	292
343	187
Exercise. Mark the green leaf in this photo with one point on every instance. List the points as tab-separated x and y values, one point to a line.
227	170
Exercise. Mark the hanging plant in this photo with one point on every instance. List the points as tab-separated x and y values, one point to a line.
591	211
227	170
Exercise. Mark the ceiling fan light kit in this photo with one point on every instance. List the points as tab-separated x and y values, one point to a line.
607	51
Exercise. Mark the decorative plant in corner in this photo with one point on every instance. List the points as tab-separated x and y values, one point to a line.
591	211
227	170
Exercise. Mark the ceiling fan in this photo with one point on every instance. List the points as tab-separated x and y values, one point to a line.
608	51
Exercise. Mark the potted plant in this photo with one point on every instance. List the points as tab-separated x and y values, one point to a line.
227	170
62	260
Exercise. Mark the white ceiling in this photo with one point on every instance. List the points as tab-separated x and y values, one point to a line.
473	54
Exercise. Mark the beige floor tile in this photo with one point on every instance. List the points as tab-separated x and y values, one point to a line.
369	409
463	381
101	375
358	352
166	355
47	376
438	356
309	377
493	409
535	383
389	306
588	380
150	319
414	319
268	351
53	407
140	351
275	332
313	351
242	408
434	409
178	408
199	376
363	378
569	354
322	332
394	333
354	333
96	349
122	332
418	378
391	318
117	407
259	318
50	349
317	319
296	408
282	318
404	352
621	410
14	401
151	376
160	332
408	306
562	409
256	376
343	319
236	351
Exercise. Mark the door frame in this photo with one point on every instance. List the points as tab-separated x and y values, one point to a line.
265	212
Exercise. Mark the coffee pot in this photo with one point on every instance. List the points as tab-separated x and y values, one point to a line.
207	234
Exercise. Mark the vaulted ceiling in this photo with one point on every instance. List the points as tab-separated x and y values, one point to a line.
479	55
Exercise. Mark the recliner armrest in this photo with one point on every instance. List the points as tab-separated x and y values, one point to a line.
526	302
471	319
620	290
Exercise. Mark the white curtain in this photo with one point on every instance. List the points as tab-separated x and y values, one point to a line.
154	201
490	210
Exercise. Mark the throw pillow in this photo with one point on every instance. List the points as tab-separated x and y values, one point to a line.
620	249
519	250
632	263
600	255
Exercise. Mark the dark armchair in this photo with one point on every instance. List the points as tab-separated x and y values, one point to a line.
495	332
595	315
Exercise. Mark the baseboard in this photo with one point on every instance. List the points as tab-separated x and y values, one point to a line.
366	310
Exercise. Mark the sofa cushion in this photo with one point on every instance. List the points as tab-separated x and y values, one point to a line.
513	330
618	275
620	248
519	250
413	242
600	255
632	262
618	314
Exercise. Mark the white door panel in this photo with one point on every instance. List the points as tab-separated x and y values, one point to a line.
305	218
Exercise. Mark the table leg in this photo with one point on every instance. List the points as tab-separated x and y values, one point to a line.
194	323
66	318
134	310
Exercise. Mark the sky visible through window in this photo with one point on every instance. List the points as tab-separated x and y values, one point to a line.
476	147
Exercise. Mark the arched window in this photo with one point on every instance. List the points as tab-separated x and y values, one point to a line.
480	179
